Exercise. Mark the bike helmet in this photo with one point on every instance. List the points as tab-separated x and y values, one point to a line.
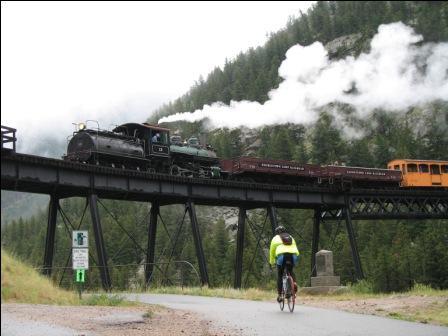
280	229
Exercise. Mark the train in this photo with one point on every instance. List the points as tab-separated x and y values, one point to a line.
147	147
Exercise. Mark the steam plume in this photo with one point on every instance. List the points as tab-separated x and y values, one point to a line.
396	74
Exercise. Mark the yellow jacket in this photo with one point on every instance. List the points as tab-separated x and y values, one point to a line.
277	247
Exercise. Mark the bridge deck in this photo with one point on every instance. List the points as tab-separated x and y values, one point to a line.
34	174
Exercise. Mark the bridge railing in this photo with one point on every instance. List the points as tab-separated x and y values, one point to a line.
8	136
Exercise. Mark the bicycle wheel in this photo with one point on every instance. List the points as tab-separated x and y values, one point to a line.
291	296
282	303
282	295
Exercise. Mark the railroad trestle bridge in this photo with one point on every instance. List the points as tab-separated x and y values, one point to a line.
61	179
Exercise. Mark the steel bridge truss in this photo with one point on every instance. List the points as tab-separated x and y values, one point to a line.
385	206
101	262
357	206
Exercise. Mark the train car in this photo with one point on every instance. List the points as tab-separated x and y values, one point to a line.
363	177
270	171
281	171
422	173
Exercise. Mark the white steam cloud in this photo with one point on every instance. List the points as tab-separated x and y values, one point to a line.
396	74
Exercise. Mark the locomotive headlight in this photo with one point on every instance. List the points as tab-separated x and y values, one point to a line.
81	126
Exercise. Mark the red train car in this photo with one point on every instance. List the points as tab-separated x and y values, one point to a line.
281	171
360	176
266	171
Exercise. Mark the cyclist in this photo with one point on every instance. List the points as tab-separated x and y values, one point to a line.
283	249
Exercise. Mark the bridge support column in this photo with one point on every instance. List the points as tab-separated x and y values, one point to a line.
51	231
99	242
239	247
155	210
315	242
273	218
198	243
352	238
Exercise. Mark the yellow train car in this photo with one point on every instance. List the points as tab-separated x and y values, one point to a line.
422	173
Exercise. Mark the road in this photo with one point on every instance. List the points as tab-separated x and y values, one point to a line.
265	318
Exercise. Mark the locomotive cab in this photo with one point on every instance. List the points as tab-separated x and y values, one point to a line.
155	140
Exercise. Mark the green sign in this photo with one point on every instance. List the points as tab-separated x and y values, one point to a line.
80	275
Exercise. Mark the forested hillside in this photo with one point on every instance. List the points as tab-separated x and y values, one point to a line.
251	75
395	254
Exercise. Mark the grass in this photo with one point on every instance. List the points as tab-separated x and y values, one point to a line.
420	289
361	290
224	292
22	284
437	313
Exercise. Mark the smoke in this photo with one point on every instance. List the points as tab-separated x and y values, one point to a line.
396	74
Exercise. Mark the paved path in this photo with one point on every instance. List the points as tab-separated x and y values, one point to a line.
265	318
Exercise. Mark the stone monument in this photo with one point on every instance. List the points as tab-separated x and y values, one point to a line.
324	270
325	281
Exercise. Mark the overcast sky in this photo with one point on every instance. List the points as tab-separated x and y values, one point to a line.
68	62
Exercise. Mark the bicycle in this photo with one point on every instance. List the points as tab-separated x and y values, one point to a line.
288	292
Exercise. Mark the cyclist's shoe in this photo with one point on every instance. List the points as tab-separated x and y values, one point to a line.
279	298
295	287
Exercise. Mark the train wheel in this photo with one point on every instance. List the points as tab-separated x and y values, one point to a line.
175	170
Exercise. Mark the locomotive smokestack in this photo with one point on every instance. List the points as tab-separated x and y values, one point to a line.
203	139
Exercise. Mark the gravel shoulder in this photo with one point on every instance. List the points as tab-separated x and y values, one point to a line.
37	320
412	308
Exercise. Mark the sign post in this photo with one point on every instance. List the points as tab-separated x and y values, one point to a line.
80	257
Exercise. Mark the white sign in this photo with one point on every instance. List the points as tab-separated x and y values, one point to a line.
80	239
80	257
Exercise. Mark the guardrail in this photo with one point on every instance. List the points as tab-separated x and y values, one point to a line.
9	136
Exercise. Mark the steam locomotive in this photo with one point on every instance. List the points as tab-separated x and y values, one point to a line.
147	147
143	147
